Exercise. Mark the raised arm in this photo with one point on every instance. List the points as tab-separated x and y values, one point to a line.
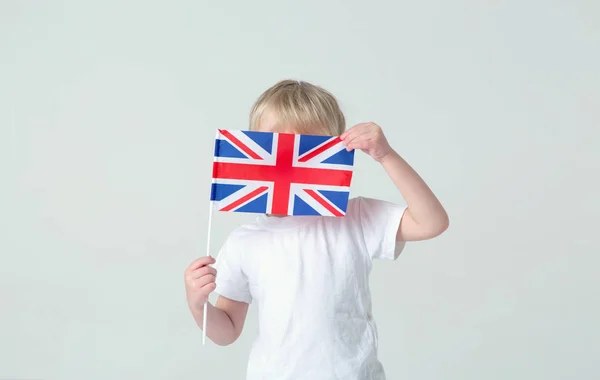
425	217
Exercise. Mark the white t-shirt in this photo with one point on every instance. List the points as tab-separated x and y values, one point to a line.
309	277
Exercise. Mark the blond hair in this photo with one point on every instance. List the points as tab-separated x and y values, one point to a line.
308	108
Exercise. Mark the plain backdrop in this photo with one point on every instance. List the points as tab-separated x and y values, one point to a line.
108	112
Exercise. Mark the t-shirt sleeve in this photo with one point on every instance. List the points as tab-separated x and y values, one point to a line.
231	281
379	221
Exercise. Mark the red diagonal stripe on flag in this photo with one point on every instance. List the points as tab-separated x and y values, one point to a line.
323	202
240	144
243	199
319	150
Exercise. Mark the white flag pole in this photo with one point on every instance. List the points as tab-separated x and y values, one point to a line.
210	211
210	214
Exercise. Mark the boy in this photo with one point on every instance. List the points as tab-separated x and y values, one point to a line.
309	275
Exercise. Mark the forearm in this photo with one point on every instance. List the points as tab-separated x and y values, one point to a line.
219	326
423	205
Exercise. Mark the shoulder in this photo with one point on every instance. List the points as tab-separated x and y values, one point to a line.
354	204
371	211
235	247
357	204
245	236
353	211
242	234
379	222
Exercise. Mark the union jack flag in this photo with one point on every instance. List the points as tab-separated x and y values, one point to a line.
281	173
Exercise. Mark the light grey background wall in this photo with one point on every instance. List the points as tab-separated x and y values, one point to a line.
107	115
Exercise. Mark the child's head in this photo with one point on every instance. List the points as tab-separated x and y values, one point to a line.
297	107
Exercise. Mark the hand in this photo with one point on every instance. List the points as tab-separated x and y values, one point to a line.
200	281
369	138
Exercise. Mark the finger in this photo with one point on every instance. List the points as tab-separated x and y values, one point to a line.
203	261
359	141
353	130
360	146
204	280
350	140
209	288
203	271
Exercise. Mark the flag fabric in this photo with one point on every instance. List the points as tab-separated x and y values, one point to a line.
281	173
